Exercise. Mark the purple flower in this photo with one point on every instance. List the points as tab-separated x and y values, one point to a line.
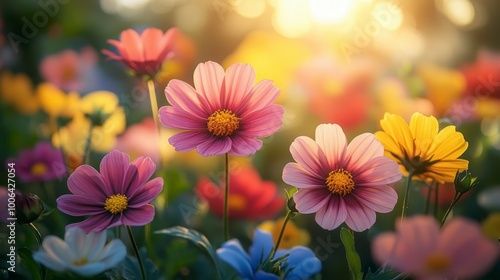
119	195
40	164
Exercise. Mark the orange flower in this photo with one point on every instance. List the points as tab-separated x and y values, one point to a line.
144	54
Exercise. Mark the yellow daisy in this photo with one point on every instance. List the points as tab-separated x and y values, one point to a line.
421	149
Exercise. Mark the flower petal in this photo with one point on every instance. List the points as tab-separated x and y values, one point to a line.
244	146
261	247
359	217
238	82
363	148
295	175
78	205
381	199
309	156
113	168
150	38
138	173
188	140
215	146
138	216
264	122
55	253
232	253
208	78
183	96
112	254
311	200
147	193
86	181
262	95
172	117
377	171
97	222
331	139
332	214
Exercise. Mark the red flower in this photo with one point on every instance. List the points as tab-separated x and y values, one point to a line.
143	53
250	198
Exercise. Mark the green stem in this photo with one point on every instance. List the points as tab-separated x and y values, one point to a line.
154	111
38	238
287	218
407	196
455	200
226	198
136	251
428	200
88	145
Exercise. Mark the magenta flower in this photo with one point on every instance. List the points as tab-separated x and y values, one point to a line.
224	113
119	195
419	248
41	164
340	182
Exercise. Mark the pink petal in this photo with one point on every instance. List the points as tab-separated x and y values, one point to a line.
359	217
381	199
208	79
168	40
189	140
331	139
215	146
383	248
138	172
419	234
238	82
149	192
97	222
176	118
113	169
182	95
263	94
132	42
77	205
122	51
311	200
377	171
138	216
244	146
264	122
363	148
472	253
295	175
150	39
333	213
86	181
308	154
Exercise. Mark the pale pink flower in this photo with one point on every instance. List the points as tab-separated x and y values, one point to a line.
119	195
144	53
140	139
69	70
419	248
341	182
224	113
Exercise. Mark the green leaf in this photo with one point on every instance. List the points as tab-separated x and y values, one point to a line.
382	274
352	256
27	258
196	238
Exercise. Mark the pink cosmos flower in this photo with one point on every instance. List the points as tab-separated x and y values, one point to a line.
419	248
119	195
224	113
340	182
69	70
140	139
41	164
143	53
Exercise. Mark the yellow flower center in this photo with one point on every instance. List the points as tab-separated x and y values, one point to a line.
79	262
223	123
38	169
340	182
116	203
437	263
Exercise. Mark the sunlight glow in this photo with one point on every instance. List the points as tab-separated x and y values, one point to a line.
460	12
289	19
328	11
250	8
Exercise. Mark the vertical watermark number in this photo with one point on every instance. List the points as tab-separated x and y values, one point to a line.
11	219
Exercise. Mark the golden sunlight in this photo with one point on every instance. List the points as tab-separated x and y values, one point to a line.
327	11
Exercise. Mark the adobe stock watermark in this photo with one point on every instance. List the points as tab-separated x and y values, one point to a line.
31	26
363	36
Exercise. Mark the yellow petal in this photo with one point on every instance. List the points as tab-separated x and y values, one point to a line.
396	127
423	129
448	144
52	99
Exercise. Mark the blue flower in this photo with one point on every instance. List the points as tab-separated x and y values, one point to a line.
298	263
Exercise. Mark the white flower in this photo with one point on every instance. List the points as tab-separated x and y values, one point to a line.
84	254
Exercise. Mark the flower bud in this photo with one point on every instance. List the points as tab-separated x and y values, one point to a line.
29	208
464	182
